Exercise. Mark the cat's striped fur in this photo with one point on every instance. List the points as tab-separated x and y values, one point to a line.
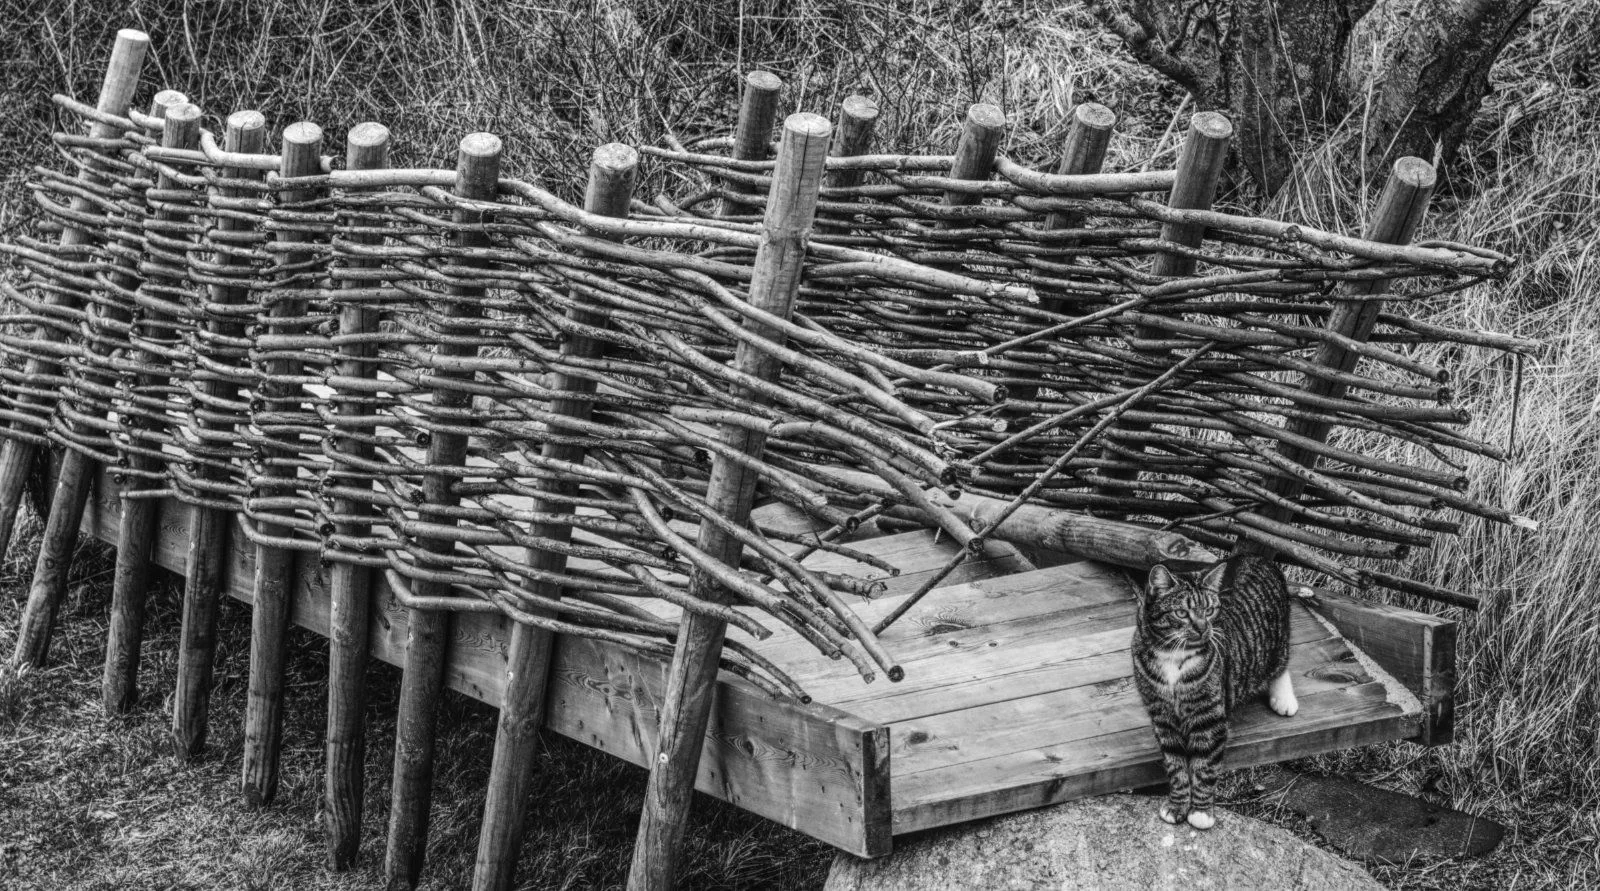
1203	644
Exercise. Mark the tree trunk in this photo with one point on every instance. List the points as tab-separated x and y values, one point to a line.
1436	56
1287	69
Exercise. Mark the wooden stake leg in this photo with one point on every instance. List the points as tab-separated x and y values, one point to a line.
684	718
611	179
137	531
16	459
269	628
516	743
420	689
346	748
477	177
791	211
55	560
1200	162
1400	212
209	532
197	641
275	567
16	462
349	585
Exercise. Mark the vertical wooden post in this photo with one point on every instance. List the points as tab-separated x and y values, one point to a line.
477	177
116	95
1083	152
791	208
752	139
206	564
1205	150
981	133
858	117
350	584
611	179
1400	211
77	470
275	566
138	527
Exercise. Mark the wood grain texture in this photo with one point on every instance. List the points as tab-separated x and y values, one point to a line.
1417	648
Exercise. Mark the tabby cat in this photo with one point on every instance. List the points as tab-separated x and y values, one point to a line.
1202	646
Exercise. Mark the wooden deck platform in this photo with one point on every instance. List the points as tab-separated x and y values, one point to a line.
1018	692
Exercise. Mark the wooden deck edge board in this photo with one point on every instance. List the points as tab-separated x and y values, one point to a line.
1382	725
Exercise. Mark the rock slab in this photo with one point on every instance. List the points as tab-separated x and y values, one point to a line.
1380	826
1109	843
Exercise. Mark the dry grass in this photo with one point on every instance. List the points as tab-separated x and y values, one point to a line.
87	805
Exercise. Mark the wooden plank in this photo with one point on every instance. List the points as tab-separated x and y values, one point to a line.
1128	759
1417	648
815	769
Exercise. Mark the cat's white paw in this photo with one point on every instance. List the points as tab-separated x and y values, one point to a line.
1281	695
1167	814
1202	819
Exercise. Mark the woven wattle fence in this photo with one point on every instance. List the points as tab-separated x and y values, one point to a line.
397	372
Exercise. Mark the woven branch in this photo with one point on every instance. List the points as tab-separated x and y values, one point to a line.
934	345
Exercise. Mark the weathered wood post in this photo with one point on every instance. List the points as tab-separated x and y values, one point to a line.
350	584
275	566
791	208
138	527
477	178
1205	150
77	469
981	132
1083	152
752	136
206	564
116	95
611	179
1400	211
858	117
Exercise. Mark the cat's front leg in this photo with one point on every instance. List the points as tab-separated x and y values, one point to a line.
1280	694
1202	792
1176	807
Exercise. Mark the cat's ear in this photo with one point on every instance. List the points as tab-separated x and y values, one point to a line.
1211	581
1161	582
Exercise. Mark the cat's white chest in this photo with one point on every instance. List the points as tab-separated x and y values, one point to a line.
1170	665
